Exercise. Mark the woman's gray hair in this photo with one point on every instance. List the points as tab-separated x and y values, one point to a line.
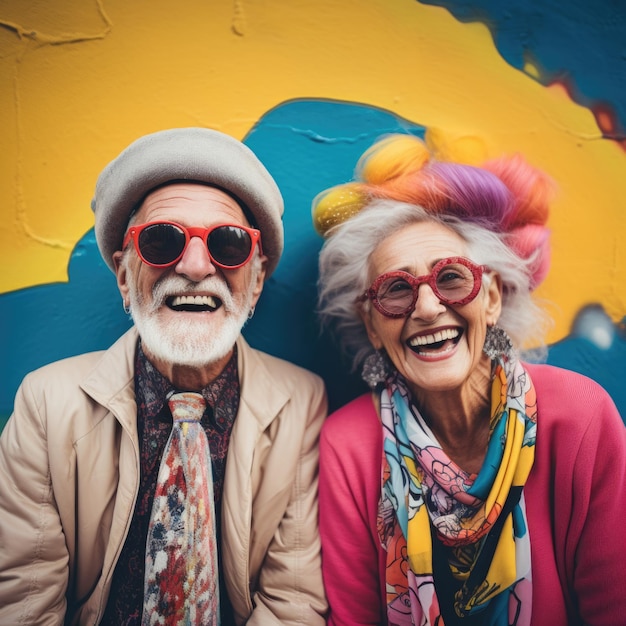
344	275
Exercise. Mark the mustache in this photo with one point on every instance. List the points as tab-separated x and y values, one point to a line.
168	286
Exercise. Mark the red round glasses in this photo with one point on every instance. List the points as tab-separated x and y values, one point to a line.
454	280
161	244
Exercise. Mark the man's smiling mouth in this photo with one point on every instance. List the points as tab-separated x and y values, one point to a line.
193	303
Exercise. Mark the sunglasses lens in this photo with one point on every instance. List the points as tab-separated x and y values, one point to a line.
454	282
160	244
395	295
229	245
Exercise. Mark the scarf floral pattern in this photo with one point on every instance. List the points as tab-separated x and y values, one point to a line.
423	491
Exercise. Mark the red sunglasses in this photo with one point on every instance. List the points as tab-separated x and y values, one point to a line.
455	281
161	244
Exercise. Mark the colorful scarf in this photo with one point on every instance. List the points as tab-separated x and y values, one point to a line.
480	556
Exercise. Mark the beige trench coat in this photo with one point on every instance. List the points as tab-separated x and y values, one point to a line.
69	476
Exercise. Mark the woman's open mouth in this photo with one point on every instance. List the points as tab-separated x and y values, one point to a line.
439	341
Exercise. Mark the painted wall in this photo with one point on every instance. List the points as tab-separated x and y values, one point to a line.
308	86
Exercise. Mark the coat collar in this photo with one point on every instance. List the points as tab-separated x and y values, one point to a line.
111	383
262	394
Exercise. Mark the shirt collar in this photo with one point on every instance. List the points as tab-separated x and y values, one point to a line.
153	389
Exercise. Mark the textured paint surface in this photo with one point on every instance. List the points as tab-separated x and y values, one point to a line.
308	85
575	44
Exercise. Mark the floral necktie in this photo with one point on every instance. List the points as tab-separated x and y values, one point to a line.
181	580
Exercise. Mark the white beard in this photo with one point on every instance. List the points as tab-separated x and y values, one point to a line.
187	341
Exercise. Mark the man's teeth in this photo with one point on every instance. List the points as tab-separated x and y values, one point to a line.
195	301
440	335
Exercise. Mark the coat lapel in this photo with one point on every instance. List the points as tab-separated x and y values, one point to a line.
111	384
262	399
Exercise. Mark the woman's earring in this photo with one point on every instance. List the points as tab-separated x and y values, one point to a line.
126	307
498	343
376	369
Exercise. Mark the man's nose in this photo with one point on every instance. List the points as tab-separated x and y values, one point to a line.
196	262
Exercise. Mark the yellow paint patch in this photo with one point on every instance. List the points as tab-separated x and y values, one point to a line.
79	81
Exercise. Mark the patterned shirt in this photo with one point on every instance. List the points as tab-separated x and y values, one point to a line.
154	423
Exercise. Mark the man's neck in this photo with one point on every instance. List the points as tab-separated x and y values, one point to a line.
188	378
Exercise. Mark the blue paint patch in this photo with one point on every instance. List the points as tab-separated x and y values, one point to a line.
578	43
596	348
308	146
49	322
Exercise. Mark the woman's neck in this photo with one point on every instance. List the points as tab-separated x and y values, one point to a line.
459	419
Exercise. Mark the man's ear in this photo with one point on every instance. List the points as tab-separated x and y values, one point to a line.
260	281
493	295
121	275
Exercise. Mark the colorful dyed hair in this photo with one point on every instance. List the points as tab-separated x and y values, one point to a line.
499	209
506	196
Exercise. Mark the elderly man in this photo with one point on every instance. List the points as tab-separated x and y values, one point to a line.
172	478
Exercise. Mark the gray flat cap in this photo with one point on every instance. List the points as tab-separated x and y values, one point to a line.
193	154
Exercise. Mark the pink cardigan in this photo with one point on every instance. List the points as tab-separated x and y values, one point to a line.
575	501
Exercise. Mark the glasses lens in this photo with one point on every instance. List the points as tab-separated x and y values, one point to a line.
454	282
229	245
395	295
160	244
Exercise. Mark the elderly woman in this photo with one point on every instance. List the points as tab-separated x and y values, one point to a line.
470	486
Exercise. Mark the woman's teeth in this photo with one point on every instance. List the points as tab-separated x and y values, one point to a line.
431	341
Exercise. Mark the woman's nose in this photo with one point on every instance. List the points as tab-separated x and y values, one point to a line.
428	305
